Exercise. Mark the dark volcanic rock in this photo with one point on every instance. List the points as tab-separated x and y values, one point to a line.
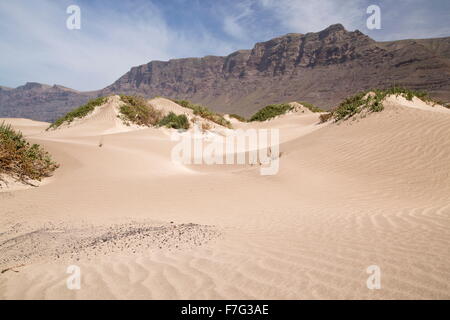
321	68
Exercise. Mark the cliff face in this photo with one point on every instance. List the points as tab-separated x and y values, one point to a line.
321	68
291	67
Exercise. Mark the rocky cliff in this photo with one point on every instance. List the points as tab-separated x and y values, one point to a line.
321	68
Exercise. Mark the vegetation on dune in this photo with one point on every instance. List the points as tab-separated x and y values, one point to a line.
370	101
206	126
21	160
271	111
238	117
353	105
325	117
311	107
136	110
79	112
204	112
274	110
175	121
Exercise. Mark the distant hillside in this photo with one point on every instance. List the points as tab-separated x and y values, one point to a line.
39	101
321	68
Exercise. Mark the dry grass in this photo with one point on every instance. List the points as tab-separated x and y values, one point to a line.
325	117
206	126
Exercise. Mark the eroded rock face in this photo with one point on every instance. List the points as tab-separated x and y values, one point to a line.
322	68
282	56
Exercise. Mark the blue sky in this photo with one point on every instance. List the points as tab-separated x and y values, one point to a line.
116	35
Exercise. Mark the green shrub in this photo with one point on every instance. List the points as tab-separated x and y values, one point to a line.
373	102
20	159
406	93
175	121
184	103
349	107
238	117
271	111
311	107
137	111
204	112
79	112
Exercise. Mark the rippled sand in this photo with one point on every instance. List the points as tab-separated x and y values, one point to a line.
369	191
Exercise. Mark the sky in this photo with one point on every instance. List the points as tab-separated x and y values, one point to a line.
37	46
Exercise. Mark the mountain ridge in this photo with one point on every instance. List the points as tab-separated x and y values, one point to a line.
319	67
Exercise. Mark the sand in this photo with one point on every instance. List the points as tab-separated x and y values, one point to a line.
348	195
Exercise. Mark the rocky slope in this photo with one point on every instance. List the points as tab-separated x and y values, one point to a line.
39	101
321	68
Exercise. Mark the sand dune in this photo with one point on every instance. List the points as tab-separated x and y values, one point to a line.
26	126
369	191
103	120
166	106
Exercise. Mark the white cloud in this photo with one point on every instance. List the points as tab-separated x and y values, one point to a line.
411	19
37	46
313	16
399	19
236	20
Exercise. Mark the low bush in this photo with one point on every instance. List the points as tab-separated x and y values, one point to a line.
136	110
79	112
21	160
325	117
271	111
204	112
349	107
311	107
372	101
175	121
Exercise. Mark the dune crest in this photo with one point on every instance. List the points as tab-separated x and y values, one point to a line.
104	119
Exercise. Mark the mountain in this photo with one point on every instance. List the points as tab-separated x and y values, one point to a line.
40	101
321	68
